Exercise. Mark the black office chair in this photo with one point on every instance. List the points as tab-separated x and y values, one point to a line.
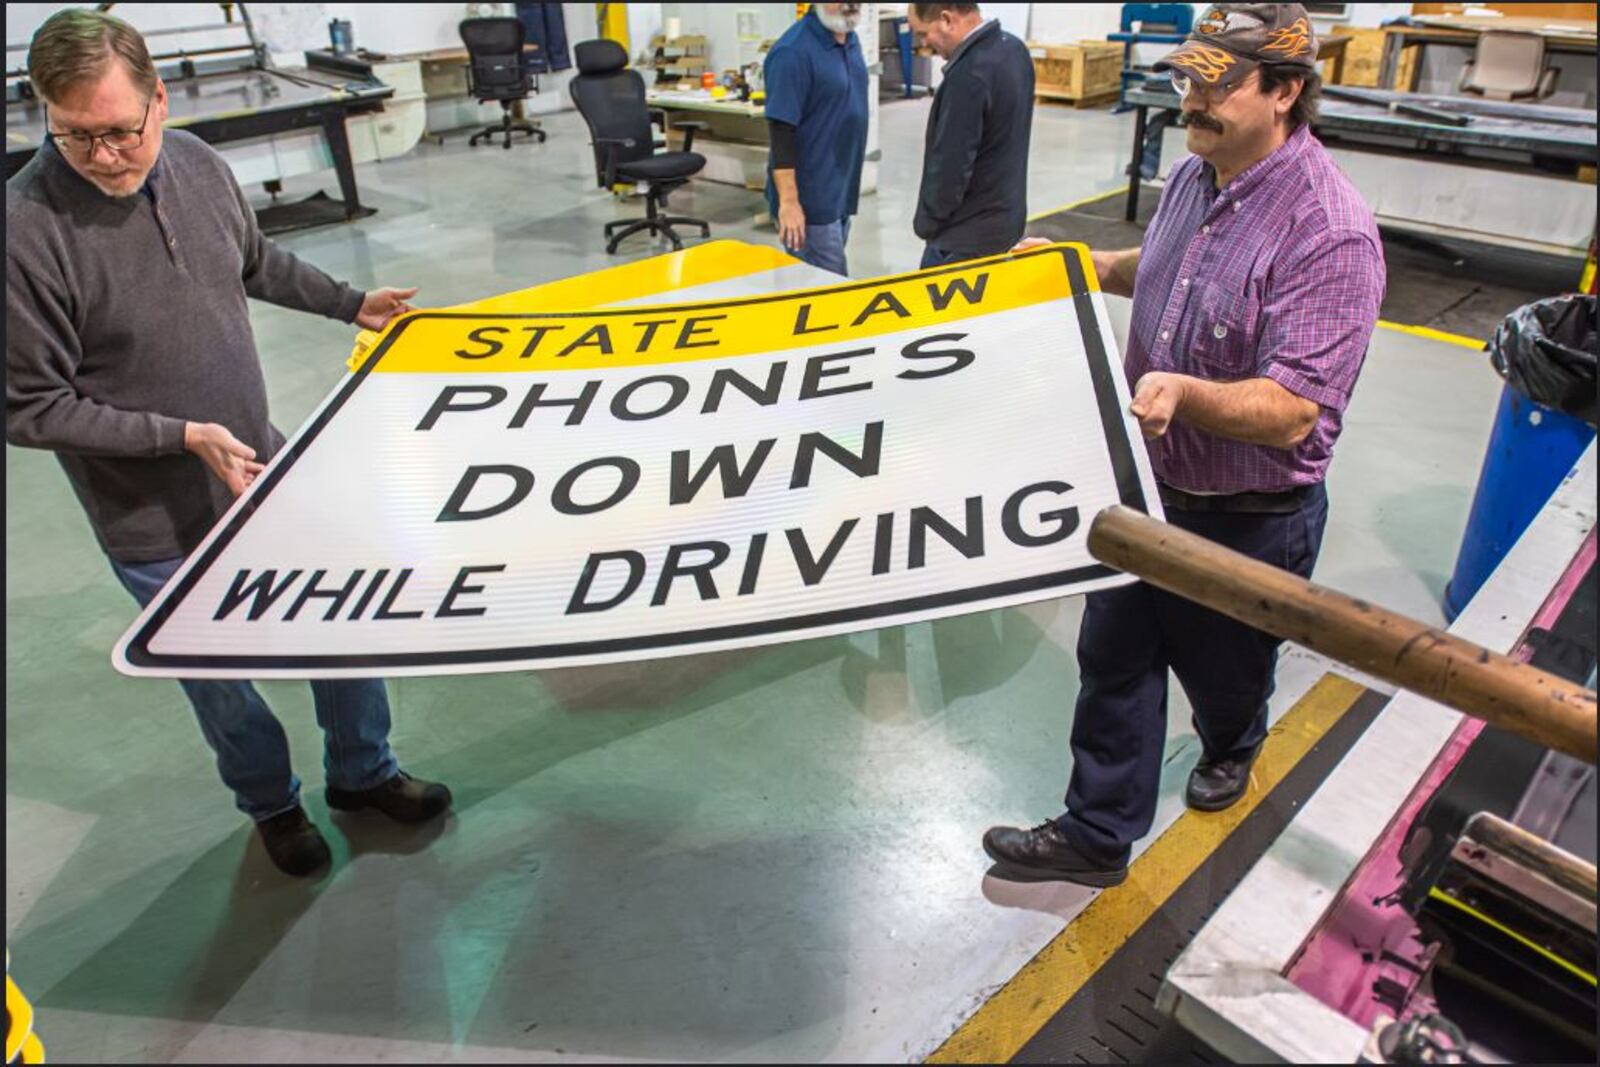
610	98
495	72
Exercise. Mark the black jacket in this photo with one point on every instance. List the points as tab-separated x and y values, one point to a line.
974	196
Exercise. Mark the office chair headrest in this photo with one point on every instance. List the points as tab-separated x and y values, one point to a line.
600	56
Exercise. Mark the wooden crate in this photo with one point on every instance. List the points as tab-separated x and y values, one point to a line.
1364	55
1078	71
1079	103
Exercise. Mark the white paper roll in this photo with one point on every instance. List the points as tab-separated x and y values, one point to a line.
674	28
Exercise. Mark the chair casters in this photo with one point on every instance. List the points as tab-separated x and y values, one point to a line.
620	230
682	220
506	128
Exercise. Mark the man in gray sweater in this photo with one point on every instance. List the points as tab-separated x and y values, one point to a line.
129	257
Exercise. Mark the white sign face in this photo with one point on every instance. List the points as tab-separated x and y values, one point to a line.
512	491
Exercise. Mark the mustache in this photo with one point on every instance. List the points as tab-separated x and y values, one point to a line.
1201	120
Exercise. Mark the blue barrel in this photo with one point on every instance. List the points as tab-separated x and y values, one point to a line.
1531	448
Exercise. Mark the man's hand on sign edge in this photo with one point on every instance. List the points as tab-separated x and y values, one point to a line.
1030	242
1156	398
381	305
1105	265
1104	262
792	225
229	458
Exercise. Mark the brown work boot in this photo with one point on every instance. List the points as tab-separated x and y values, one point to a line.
293	842
402	798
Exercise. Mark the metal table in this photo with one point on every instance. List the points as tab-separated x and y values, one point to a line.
240	105
1560	35
1507	135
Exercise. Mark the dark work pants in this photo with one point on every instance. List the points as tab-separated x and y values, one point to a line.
1130	636
934	256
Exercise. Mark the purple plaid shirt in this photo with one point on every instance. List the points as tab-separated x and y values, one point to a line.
1277	276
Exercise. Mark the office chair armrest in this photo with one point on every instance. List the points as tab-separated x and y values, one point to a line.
688	138
608	147
658	117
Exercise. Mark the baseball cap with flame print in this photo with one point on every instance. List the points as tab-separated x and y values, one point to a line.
1231	40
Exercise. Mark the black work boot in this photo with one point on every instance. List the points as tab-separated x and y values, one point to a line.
1044	854
1216	784
293	842
402	798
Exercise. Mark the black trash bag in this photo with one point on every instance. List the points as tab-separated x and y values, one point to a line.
1546	350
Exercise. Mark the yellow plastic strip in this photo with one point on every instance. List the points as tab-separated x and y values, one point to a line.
1002	1025
1433	335
32	1050
1095	199
1434	893
20	1015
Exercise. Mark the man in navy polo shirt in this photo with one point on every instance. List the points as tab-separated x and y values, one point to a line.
816	79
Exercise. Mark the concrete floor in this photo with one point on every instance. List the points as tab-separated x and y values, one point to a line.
771	855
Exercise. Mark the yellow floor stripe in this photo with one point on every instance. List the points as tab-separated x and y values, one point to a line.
999	1029
1095	199
1433	335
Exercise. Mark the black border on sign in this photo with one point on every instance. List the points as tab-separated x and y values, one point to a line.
1123	465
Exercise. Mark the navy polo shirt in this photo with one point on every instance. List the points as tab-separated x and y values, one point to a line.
819	86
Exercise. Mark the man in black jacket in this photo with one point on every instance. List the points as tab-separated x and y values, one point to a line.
974	196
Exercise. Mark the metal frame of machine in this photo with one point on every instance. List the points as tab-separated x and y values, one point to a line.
1229	987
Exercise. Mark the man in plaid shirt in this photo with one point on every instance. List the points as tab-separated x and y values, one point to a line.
1255	294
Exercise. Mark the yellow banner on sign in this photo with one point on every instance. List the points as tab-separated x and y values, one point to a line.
437	342
704	264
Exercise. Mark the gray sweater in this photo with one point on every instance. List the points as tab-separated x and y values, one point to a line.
125	319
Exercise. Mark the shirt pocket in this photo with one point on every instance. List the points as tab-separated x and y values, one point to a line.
1223	334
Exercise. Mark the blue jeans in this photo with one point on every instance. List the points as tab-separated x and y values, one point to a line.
252	751
1130	637
934	256
825	246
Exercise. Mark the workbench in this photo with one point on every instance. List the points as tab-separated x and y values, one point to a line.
1413	171
1560	35
734	140
445	86
260	112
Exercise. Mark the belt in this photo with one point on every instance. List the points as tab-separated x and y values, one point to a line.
1282	502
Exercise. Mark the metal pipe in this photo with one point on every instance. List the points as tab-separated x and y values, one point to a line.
1514	696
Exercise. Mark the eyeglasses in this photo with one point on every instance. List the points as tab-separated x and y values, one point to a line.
1210	94
116	140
